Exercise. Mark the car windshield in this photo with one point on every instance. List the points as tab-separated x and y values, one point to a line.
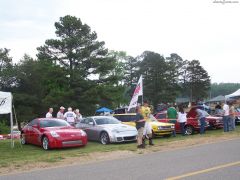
106	120
53	123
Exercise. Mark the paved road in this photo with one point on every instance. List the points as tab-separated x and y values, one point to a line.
212	161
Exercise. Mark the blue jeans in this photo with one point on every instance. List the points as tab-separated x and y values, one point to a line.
174	131
182	124
231	123
226	123
202	125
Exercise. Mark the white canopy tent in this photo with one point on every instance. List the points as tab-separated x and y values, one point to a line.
6	108
233	95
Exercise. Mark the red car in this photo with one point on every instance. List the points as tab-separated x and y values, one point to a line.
191	125
52	133
214	121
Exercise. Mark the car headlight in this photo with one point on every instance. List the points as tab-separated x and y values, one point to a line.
172	126
82	133
115	131
54	134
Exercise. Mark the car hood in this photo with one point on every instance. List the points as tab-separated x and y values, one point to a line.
160	124
213	117
65	130
118	127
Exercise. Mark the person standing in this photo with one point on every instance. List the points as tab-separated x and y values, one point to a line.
70	116
49	113
232	117
78	115
146	111
226	117
201	114
140	123
60	113
172	116
182	119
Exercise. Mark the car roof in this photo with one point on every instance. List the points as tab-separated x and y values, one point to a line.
48	119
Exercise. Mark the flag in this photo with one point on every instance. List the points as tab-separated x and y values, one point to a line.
137	92
5	102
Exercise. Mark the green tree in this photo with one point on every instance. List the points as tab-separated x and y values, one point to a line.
197	81
223	88
39	85
86	60
6	70
157	76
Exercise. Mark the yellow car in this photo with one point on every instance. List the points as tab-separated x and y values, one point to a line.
159	128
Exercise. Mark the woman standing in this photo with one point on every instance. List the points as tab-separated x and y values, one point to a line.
182	118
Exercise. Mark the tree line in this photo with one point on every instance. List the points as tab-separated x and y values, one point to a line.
76	69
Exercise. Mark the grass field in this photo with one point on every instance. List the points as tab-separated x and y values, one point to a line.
20	155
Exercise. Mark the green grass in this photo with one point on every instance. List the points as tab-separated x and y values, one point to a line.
30	153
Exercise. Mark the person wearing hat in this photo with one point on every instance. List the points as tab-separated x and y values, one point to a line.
70	116
60	113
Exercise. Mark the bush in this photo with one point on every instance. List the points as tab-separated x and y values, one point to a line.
4	128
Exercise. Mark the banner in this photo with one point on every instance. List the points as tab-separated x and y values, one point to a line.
137	92
5	102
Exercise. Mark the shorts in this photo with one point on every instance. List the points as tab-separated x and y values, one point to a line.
140	132
147	129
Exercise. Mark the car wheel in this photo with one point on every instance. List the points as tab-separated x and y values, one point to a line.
23	139
104	138
189	130
45	143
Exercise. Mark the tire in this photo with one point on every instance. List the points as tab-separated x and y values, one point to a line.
189	130
23	139
104	138
45	143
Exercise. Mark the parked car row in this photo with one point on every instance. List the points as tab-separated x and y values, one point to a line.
192	125
57	133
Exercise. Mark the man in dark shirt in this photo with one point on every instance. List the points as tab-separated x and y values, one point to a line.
140	123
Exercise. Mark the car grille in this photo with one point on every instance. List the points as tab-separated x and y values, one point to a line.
129	138
165	127
119	139
66	143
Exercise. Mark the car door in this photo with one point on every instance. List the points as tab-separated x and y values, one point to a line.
29	131
86	126
34	132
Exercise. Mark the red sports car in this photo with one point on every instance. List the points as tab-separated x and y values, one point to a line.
52	133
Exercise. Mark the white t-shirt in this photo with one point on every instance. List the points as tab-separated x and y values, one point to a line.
49	115
60	115
70	116
226	110
182	117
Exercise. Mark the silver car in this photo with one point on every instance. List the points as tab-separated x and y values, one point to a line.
107	129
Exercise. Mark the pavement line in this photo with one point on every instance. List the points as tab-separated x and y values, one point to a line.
204	171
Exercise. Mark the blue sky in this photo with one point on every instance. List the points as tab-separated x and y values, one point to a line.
200	30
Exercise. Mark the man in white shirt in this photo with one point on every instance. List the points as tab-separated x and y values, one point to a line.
60	113
70	116
49	114
226	117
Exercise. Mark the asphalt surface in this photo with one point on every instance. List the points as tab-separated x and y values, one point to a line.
194	162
